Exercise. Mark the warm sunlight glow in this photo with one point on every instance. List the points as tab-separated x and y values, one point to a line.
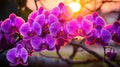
75	6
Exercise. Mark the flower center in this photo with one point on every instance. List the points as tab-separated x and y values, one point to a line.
31	33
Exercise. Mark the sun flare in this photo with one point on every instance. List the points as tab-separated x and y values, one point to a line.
75	6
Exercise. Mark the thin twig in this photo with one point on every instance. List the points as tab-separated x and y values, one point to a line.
107	61
42	3
75	49
104	51
118	16
104	1
70	61
36	4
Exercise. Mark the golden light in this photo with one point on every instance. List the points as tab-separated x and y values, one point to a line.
75	6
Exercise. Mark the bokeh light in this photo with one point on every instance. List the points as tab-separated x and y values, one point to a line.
75	6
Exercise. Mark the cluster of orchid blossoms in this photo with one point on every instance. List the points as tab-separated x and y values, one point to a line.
50	29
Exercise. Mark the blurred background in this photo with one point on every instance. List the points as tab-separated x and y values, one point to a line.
108	9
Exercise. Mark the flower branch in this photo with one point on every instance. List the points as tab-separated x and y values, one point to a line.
107	61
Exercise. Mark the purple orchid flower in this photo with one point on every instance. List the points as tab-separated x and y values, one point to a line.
9	28
5	38
99	35
72	27
58	29
45	20
17	55
62	11
39	43
40	36
111	54
80	27
29	32
59	33
114	29
12	24
34	14
96	19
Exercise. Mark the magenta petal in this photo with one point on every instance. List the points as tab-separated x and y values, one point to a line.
6	26
72	27
19	21
90	39
118	31
40	19
24	29
56	11
54	28
19	46
94	15
98	28
36	28
12	17
14	64
109	27
50	41
46	13
99	21
61	4
52	18
11	55
36	42
87	26
115	26
24	55
32	15
79	20
30	21
89	17
40	10
105	36
67	12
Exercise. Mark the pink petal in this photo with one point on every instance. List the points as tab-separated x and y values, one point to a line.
52	18
6	26
19	21
105	36
72	27
40	10
50	41
54	28
24	29
36	42
32	15
11	55
37	28
40	19
12	17
56	11
67	12
99	21
24	55
14	64
87	26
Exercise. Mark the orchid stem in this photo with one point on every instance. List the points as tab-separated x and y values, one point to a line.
104	51
36	4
